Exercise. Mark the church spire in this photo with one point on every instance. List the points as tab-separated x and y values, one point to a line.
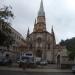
41	10
35	22
52	30
53	34
34	26
40	23
28	33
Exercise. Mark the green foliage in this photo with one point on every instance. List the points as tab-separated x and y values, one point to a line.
6	28
70	45
5	32
5	13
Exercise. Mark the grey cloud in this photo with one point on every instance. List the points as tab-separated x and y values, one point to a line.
57	14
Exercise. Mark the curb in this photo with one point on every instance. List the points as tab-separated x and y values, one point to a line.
33	70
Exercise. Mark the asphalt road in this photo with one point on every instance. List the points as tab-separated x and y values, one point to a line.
3	72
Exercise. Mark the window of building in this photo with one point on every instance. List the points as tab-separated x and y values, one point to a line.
48	46
31	46
39	40
39	53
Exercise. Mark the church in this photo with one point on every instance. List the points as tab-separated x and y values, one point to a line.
43	43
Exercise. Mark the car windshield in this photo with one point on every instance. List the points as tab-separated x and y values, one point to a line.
23	58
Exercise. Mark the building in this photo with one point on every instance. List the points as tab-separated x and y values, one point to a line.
18	42
41	42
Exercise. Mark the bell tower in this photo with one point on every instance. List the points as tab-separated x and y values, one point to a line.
40	25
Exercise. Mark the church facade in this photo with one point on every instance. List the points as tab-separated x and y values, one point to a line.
41	42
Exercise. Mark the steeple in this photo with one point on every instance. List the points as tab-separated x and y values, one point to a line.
52	30
34	26
28	33
40	23
41	10
35	22
53	34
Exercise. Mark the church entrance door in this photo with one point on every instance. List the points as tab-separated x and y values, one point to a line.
58	61
39	53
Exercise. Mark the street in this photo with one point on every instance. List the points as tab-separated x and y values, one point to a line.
3	72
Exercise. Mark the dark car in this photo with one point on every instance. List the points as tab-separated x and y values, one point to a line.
1	61
73	68
5	60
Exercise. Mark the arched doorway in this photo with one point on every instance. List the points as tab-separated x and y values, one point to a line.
39	53
58	61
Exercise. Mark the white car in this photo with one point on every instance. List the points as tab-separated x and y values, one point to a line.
43	63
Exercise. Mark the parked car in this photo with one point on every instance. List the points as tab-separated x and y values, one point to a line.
73	68
5	60
38	63
1	61
44	62
26	61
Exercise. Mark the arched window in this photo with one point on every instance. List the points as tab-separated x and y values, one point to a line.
31	46
48	46
39	40
58	59
39	53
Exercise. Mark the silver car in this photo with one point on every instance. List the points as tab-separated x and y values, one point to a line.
43	63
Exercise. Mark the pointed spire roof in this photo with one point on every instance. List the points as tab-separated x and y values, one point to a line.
52	29
41	10
53	34
28	32
35	21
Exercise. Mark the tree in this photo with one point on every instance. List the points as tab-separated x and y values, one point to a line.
70	45
5	37
5	13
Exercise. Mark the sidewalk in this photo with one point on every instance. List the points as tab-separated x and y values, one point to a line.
33	70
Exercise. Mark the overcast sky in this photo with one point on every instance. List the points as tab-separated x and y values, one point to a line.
59	13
